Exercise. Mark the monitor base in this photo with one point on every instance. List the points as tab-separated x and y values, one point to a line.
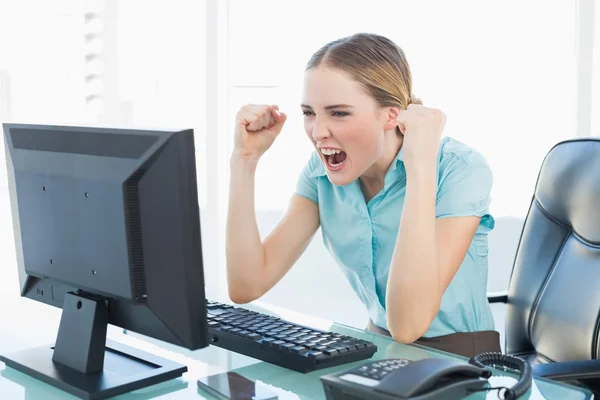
125	369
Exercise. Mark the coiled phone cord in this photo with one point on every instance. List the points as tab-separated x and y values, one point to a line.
498	359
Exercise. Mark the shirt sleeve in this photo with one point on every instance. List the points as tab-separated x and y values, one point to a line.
306	185
464	190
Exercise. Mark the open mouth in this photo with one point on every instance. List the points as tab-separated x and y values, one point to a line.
334	158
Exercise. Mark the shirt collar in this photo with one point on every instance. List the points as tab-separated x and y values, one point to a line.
320	169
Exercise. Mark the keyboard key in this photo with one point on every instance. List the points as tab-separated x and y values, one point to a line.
288	346
232	318
253	328
341	349
299	349
315	354
331	352
254	336
219	313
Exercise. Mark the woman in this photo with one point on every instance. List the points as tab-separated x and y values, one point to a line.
403	212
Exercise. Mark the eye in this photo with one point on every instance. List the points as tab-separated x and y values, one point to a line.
340	114
306	113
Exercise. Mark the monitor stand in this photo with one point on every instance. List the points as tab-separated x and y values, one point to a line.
84	363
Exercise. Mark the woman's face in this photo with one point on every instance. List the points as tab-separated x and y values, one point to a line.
345	124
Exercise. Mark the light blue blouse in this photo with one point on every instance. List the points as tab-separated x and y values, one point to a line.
361	236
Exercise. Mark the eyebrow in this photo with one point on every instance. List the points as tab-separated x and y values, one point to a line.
329	107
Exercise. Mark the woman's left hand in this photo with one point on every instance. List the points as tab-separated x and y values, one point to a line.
422	128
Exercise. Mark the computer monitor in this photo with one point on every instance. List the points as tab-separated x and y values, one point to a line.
107	227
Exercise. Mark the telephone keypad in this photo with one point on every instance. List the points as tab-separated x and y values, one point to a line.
379	369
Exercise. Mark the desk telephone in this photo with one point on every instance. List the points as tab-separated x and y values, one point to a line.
427	379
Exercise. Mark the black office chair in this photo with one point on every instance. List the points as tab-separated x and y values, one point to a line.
553	299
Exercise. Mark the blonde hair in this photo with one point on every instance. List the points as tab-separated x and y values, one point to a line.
375	62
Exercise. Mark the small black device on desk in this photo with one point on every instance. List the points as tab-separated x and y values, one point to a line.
233	386
281	342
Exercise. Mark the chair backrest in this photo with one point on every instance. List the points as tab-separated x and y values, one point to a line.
554	292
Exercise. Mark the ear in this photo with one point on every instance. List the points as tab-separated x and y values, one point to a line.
391	117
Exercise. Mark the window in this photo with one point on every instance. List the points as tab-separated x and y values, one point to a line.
162	69
156	65
41	69
151	72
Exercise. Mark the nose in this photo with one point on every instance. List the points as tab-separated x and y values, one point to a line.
319	130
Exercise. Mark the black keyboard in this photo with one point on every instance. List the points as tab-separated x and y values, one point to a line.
280	342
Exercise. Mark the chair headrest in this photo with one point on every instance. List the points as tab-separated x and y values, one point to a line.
568	186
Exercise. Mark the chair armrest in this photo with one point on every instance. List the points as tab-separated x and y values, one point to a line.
569	370
497	297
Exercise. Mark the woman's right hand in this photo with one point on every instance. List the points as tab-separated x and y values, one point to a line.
256	128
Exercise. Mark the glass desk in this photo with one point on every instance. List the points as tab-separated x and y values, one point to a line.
16	333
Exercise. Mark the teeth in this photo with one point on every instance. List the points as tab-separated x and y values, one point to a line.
329	152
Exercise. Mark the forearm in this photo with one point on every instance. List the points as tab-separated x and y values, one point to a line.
413	288
244	249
